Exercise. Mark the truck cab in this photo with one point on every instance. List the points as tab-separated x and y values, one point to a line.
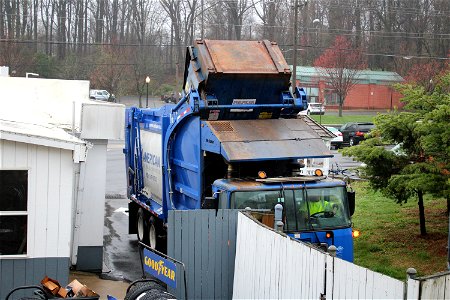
316	210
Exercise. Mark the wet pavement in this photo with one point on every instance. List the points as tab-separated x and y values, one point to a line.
121	256
102	287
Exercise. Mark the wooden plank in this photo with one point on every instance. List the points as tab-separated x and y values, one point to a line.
218	256
8	155
186	251
339	272
198	247
178	252
240	289
224	251
352	287
21	156
190	249
292	274
42	209
322	257
432	288
212	252
19	275
7	282
412	289
29	276
330	277
171	234
263	273
395	288
66	204
31	221
62	270
285	268
231	249
378	289
171	245
51	267
203	237
271	256
446	289
251	239
53	203
369	284
238	261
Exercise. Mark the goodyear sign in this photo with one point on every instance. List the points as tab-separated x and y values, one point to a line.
161	268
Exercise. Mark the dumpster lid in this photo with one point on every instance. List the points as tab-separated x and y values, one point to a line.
271	139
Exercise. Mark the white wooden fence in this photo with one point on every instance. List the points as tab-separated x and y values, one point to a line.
430	287
348	281
270	265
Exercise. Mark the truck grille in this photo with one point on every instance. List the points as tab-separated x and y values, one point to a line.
222	126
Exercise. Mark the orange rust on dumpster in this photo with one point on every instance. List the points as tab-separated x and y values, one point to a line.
245	57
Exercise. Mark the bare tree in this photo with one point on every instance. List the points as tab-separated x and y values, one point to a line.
340	65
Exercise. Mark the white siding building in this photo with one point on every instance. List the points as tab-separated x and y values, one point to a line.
53	143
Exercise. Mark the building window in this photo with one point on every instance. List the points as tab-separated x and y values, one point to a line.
331	97
13	212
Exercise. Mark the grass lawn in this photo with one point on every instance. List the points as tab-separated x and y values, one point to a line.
390	240
336	120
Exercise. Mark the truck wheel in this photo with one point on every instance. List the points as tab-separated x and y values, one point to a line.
142	286
141	226
152	234
352	142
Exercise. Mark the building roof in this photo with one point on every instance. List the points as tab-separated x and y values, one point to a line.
311	74
43	135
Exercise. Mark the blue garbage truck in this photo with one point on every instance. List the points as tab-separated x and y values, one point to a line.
234	141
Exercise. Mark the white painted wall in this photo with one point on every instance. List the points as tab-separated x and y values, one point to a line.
50	188
43	101
90	202
100	120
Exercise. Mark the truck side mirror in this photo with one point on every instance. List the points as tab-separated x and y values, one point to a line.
351	202
211	202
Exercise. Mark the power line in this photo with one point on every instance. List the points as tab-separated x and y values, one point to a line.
405	56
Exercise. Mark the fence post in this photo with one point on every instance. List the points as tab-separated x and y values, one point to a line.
411	292
329	273
332	250
278	215
412	273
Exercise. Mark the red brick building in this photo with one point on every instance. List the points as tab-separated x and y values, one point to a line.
373	90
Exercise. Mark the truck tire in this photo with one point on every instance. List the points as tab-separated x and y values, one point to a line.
352	142
141	225
144	293
152	234
142	286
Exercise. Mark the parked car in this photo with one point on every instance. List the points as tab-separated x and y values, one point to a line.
336	143
103	95
353	132
313	109
169	98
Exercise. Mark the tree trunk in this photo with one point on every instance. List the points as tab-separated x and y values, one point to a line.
448	205
423	230
341	103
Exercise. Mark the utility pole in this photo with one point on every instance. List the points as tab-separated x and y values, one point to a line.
203	23
294	64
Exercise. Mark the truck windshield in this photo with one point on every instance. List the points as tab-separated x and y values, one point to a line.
303	209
